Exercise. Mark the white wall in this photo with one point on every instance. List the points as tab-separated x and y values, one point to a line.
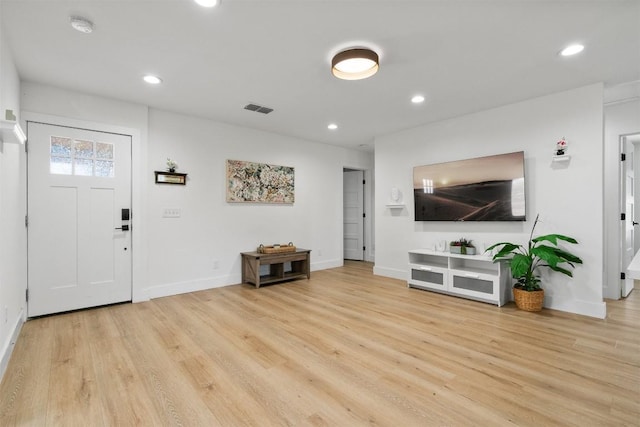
13	249
568	197
621	117
201	249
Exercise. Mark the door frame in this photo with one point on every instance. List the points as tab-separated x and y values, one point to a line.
139	181
369	253
622	204
621	291
361	232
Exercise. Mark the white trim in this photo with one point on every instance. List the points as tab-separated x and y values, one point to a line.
176	288
325	265
394	273
585	308
10	345
138	181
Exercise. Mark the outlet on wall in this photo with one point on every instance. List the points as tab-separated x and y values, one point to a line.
216	264
319	252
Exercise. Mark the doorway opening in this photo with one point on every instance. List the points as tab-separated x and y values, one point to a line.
629	245
353	214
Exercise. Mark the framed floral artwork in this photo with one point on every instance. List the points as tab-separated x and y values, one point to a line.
249	182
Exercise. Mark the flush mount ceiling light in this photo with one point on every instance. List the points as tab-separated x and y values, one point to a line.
152	80
81	24
207	3
572	50
355	64
332	126
417	99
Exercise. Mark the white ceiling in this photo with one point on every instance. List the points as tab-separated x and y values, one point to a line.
463	56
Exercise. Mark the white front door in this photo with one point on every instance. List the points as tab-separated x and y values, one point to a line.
79	186
353	215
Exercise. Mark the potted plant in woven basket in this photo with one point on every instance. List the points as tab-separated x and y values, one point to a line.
541	251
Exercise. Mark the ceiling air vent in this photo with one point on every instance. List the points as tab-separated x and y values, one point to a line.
258	108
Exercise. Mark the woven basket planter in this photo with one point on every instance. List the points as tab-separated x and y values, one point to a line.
528	301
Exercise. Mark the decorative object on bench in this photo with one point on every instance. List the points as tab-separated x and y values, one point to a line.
525	260
249	182
462	246
277	248
282	266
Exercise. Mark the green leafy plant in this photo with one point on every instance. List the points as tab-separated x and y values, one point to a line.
541	251
462	242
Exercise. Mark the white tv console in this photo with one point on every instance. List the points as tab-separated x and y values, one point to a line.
475	277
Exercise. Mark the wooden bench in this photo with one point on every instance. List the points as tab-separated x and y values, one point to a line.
251	262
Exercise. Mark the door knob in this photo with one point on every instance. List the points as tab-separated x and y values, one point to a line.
123	228
635	223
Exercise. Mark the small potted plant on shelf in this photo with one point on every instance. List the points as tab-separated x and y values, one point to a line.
462	246
171	165
561	147
541	251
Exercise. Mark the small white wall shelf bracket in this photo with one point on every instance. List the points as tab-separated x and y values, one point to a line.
562	158
11	132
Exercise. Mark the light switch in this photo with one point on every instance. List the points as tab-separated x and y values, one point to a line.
171	213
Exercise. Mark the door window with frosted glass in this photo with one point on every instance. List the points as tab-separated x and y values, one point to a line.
81	157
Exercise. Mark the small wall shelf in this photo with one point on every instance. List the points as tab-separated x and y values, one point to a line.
171	178
395	206
11	132
562	158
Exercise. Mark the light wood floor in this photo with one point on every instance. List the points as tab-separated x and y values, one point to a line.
345	348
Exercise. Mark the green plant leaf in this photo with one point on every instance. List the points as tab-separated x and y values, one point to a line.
569	257
520	265
496	245
507	250
553	238
560	270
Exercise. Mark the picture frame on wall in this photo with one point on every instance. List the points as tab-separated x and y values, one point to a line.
251	182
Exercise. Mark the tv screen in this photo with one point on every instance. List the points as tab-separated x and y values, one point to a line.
482	189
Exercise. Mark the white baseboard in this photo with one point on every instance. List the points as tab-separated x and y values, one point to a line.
325	265
585	308
168	289
11	343
394	273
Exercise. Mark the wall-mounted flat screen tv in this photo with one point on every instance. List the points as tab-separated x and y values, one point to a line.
481	189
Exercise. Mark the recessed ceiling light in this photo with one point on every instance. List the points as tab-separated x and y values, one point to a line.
355	64
572	50
81	24
332	126
152	80
417	99
207	3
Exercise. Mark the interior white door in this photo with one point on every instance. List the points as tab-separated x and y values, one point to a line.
79	182
353	206
628	248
